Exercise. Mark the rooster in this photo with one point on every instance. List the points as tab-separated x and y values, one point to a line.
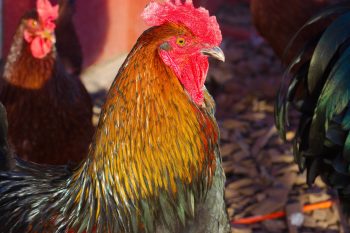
154	163
320	91
49	111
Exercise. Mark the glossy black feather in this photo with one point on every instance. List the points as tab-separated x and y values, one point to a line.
334	36
281	113
320	91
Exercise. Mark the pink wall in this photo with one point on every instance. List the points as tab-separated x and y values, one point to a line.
106	28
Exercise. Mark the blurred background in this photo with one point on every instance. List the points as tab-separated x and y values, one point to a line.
106	28
261	175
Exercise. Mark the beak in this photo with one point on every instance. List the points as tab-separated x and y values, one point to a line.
214	52
53	38
50	36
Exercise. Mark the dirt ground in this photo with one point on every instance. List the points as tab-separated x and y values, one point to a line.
261	175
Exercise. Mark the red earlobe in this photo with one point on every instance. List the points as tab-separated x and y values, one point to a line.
28	36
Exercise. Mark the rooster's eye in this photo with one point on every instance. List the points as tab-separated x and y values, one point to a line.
180	41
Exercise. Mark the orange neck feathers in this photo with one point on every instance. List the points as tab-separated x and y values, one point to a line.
150	133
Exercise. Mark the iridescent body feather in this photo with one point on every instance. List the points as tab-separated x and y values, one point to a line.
320	91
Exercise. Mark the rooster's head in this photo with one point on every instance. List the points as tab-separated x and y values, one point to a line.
198	36
39	32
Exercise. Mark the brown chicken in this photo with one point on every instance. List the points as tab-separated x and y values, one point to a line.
154	164
278	21
49	111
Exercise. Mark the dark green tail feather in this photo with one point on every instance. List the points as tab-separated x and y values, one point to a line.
280	114
320	91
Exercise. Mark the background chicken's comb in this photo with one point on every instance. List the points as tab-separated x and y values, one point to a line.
197	20
47	13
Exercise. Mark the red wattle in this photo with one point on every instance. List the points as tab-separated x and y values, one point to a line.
40	47
193	75
191	72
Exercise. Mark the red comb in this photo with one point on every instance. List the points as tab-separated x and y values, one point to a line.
196	19
47	13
